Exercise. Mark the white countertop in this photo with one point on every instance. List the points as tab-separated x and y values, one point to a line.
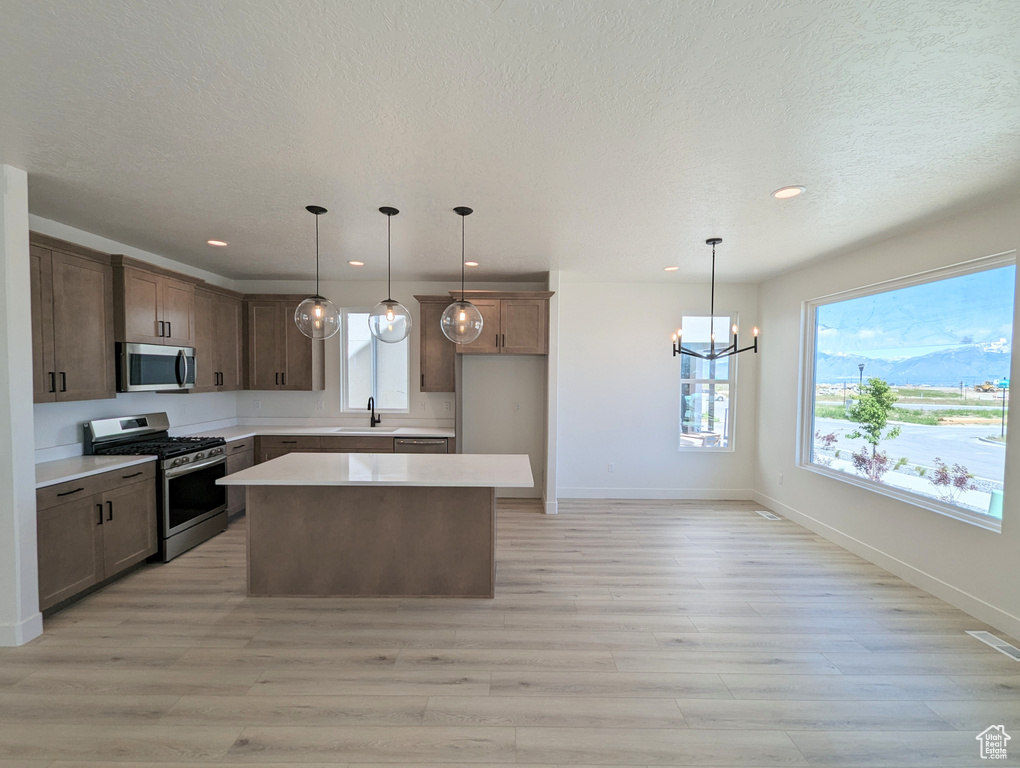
62	470
448	470
241	432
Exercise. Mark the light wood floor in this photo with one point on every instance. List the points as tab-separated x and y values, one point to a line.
622	633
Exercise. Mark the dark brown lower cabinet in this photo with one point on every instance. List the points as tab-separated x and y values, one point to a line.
129	526
240	455
70	549
106	525
274	446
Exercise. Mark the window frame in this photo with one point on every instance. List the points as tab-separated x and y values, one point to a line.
345	405
806	385
730	381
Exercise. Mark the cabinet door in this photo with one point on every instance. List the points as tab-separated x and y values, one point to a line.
83	328
297	370
129	526
143	307
178	312
265	345
488	342
524	327
228	342
70	549
235	493
437	354
44	377
206	342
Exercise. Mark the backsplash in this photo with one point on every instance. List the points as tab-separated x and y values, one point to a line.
58	426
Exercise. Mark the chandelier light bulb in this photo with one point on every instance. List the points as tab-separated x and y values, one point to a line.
734	329
755	331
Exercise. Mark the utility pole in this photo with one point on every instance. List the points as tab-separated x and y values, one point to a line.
860	367
1004	386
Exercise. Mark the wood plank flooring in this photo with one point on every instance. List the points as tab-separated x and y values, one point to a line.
622	633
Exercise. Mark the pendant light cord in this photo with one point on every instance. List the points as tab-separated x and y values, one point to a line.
462	258
316	255
389	251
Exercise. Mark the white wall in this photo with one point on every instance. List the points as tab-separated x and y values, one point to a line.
972	568
20	620
619	393
504	407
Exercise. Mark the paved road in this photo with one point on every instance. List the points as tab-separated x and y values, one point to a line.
921	444
935	406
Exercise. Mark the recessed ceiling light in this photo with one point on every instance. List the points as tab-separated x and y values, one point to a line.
356	263
785	193
671	269
470	263
217	243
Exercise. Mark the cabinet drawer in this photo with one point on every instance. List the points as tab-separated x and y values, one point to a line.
139	473
73	490
64	493
239	446
292	442
357	444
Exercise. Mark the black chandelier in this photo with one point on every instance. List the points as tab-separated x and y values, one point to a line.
713	353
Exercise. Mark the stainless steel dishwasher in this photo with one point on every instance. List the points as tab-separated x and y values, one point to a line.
419	445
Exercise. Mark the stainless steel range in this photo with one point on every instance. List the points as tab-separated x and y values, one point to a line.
191	507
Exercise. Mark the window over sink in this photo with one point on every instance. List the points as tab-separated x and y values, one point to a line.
372	368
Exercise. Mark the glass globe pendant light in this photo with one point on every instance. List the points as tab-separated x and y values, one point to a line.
389	321
461	321
316	317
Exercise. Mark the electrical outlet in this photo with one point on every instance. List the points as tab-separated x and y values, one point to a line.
446	406
258	405
780	478
517	407
319	405
610	467
422	404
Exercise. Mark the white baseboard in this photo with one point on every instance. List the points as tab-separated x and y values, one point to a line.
550	507
702	494
18	634
975	606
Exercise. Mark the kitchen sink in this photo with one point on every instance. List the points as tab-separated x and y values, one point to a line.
367	430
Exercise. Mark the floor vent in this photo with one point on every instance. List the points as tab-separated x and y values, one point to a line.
997	643
767	515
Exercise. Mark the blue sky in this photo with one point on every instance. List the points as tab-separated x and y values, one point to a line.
970	309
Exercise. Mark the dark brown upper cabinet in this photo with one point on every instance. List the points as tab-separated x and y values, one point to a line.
72	321
153	305
219	341
279	356
437	355
513	322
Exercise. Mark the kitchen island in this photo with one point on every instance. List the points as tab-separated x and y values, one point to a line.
376	524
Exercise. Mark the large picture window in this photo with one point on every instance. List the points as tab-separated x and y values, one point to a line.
706	418
372	368
907	390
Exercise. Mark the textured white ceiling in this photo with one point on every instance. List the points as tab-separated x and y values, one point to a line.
606	137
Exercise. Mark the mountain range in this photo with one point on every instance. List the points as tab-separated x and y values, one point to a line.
970	363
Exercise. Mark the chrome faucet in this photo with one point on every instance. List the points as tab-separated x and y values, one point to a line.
375	419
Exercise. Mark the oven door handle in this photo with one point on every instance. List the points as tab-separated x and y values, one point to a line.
186	468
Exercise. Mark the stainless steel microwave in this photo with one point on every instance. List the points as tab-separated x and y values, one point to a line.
154	367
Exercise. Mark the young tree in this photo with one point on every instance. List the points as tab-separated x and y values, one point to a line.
871	412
